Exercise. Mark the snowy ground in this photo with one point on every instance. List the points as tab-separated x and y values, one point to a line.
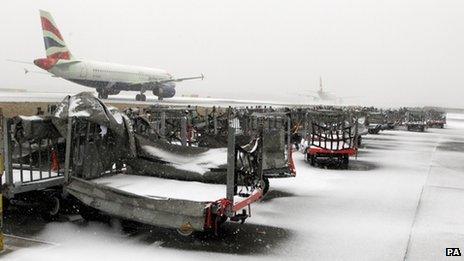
403	198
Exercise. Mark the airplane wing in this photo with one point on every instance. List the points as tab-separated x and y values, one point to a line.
18	61
304	95
26	71
348	97
141	84
183	79
311	91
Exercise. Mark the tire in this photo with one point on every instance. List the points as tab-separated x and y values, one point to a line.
266	186
52	208
187	230
5	205
143	97
137	97
345	160
311	159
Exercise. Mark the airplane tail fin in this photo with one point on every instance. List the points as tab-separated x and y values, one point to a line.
55	47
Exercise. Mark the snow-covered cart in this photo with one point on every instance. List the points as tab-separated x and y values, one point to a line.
436	118
82	152
33	166
332	138
416	120
377	121
100	145
161	158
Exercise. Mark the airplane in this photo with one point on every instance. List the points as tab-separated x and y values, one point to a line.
323	95
106	78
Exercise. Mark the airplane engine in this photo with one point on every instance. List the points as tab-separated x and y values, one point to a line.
166	90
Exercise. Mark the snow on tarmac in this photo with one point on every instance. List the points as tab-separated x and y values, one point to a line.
403	198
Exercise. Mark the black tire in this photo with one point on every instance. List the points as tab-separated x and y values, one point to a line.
52	207
137	97
345	160
143	97
5	205
266	186
312	160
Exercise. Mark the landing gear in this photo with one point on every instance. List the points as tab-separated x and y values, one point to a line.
140	97
160	94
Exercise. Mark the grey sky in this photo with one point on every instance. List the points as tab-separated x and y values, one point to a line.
389	52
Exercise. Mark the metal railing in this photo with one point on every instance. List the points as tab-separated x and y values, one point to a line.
332	137
29	162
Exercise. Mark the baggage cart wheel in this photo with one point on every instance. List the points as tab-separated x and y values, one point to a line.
345	161
266	186
52	207
311	159
185	230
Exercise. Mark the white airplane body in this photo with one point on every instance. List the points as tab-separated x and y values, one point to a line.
323	95
106	78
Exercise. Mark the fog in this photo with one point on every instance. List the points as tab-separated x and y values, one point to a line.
391	52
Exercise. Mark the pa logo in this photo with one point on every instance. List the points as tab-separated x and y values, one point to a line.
453	251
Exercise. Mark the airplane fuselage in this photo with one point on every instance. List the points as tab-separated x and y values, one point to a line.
111	78
106	78
325	96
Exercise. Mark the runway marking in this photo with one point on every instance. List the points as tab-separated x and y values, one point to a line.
408	246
